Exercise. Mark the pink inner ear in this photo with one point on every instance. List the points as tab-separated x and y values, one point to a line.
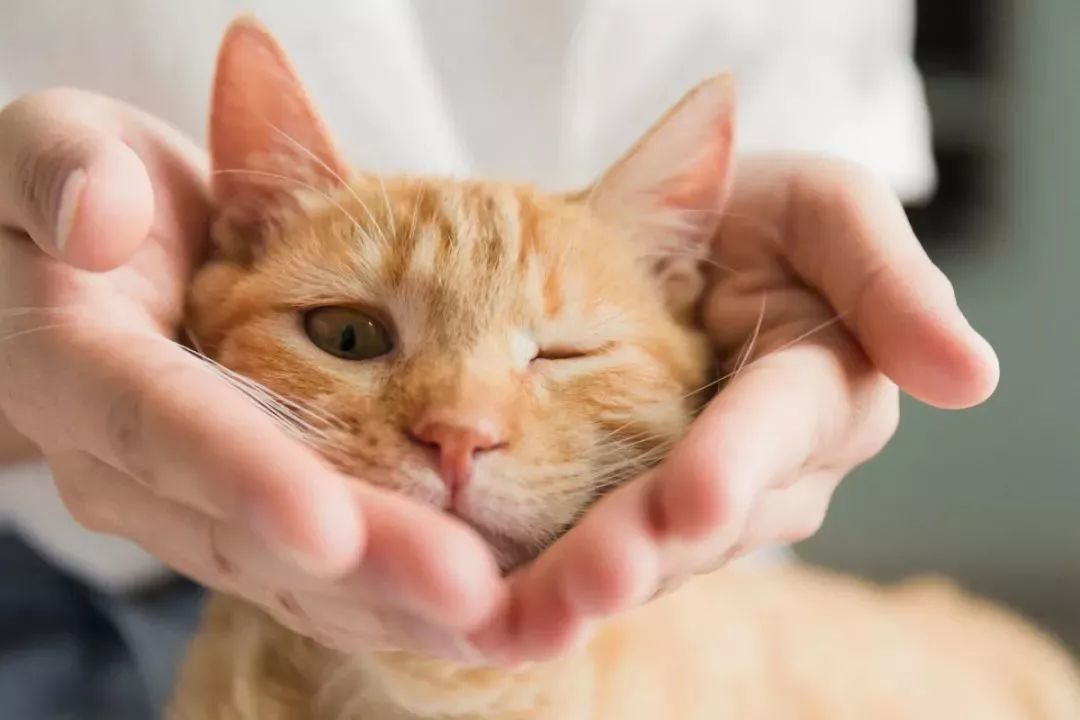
262	120
703	185
672	185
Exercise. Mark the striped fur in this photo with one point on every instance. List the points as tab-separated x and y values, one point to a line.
473	278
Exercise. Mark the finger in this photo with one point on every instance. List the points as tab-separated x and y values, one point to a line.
105	500
348	627
342	625
850	239
143	405
788	409
438	568
68	180
443	575
790	514
606	564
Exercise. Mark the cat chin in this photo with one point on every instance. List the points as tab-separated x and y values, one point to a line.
510	554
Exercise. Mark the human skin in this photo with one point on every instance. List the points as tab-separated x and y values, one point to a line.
89	185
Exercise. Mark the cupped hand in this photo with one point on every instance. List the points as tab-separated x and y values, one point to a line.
822	303
103	213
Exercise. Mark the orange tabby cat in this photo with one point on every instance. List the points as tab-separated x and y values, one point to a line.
508	354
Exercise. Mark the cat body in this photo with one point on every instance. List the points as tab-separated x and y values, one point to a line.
509	355
746	643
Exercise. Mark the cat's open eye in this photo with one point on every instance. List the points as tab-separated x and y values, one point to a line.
347	333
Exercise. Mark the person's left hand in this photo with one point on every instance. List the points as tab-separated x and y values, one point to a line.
822	303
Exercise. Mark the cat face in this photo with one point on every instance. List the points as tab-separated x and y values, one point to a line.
499	352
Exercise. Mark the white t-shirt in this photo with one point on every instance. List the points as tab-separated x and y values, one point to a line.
546	91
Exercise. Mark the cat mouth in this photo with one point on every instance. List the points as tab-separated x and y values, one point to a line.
512	553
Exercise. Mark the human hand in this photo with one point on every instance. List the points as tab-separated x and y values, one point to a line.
103	213
816	263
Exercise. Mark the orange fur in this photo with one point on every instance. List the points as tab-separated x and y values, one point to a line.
769	643
474	278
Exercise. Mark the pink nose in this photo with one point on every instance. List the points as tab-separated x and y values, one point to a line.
458	441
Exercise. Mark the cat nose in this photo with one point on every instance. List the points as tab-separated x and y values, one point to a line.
459	441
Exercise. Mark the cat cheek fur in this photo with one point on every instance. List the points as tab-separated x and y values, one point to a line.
577	427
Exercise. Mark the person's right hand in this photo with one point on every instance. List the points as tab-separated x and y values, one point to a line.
103	213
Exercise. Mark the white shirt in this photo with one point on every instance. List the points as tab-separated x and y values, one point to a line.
547	91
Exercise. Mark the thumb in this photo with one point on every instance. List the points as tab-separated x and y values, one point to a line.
70	183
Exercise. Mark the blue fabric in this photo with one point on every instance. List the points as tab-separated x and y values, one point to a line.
68	652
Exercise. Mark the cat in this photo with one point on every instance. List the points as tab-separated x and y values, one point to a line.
510	354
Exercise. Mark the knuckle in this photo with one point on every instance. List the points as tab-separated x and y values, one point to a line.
93	521
267	601
877	419
699	502
94	515
808	522
839	185
875	276
221	563
803	530
74	484
286	602
124	423
888	417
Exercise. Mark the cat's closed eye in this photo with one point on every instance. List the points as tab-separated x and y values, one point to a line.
570	352
347	333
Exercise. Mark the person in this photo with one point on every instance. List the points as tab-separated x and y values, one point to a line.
103	209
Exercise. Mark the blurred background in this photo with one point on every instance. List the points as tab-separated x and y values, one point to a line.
991	496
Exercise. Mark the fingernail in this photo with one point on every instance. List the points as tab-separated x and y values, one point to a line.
70	196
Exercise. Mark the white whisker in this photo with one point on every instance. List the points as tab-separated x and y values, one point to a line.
345	184
310	424
386	200
415	212
31	331
749	350
690	255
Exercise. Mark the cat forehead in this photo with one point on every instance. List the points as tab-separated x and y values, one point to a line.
482	223
470	245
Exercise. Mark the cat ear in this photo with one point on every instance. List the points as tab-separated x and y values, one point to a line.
668	191
267	142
